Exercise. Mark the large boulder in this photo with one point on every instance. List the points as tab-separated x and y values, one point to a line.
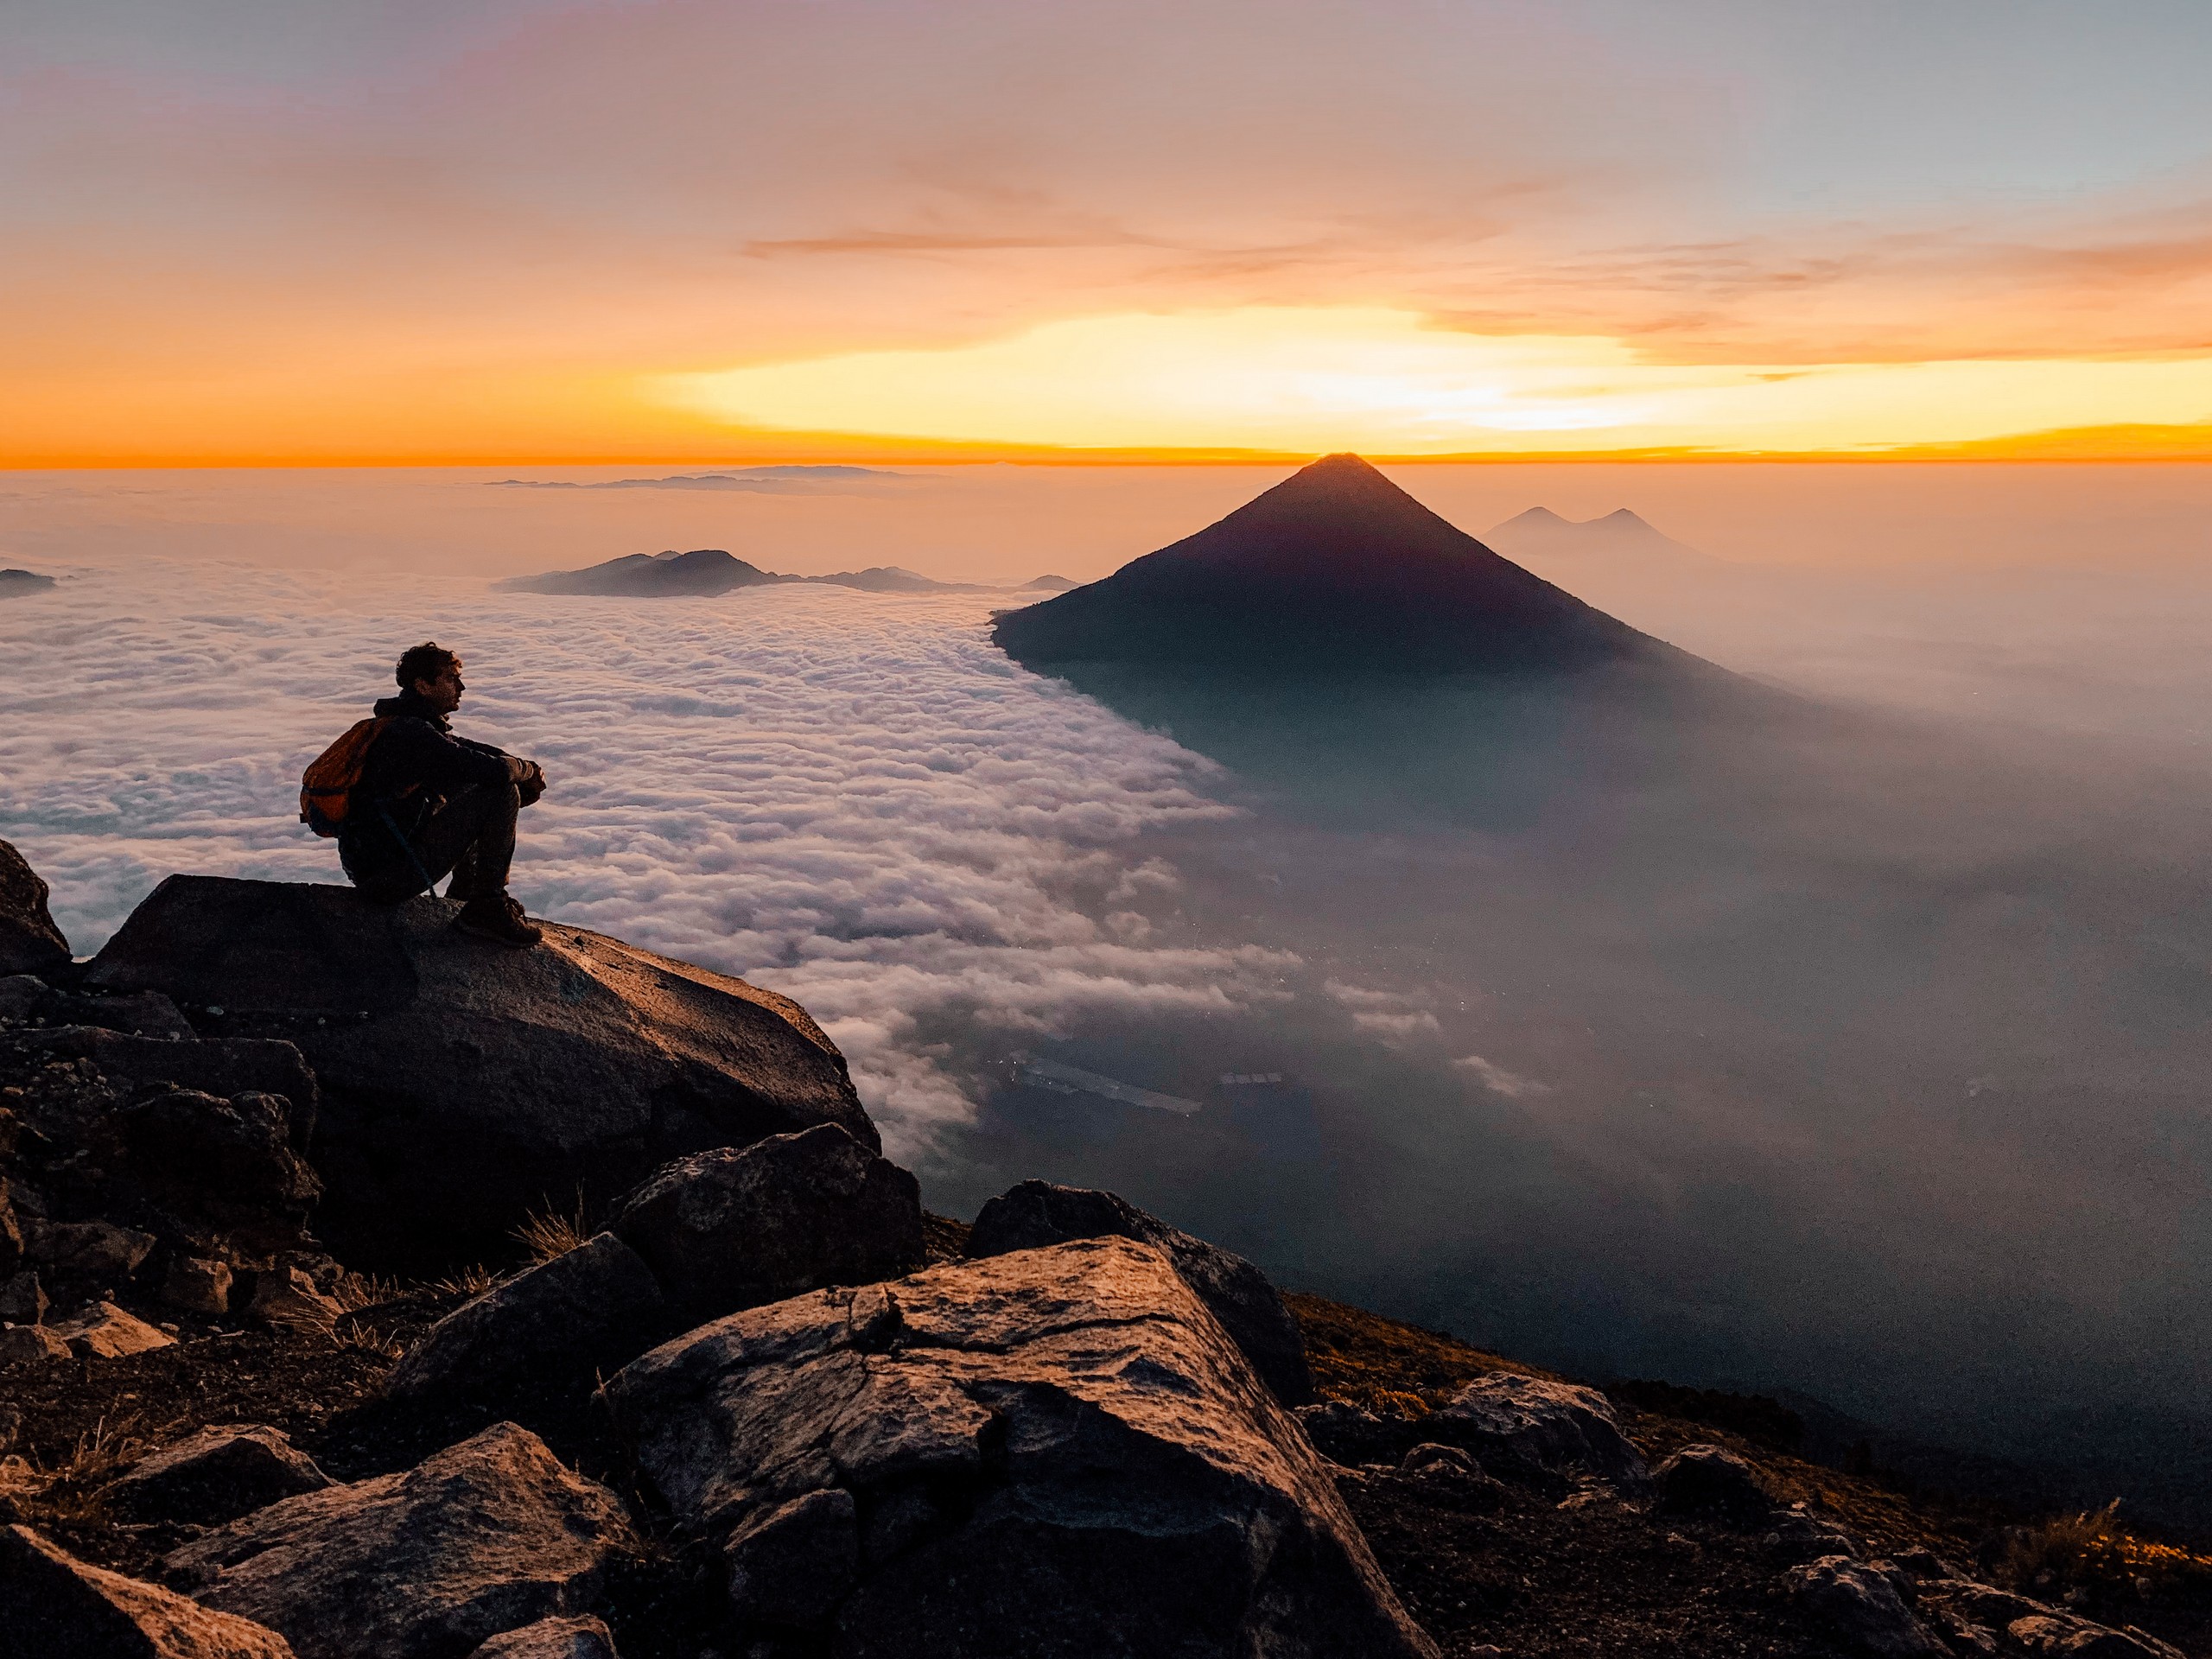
486	1536
1051	1452
229	1165
1704	1479
1536	1429
740	1226
29	942
553	1638
586	1310
1037	1213
464	1085
55	1607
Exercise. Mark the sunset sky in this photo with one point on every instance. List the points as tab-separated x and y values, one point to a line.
244	231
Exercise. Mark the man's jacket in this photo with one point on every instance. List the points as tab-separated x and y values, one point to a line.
414	766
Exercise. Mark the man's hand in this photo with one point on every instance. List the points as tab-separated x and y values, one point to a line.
531	783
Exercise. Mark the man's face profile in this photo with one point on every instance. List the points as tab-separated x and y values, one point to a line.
443	693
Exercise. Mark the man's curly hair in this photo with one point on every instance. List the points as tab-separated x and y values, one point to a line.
423	661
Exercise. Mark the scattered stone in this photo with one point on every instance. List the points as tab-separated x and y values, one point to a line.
1860	1606
1346	1435
92	1255
288	1299
1037	1213
1531	1428
553	1638
1711	1480
1451	1474
25	1344
1055	1450
29	942
793	1565
485	1536
740	1226
198	1286
216	1475
467	1084
105	1331
55	1607
591	1309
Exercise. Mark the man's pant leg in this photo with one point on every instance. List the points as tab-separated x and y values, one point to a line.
472	836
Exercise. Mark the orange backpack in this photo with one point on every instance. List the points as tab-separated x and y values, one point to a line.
327	789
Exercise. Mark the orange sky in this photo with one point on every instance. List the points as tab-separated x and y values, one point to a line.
707	233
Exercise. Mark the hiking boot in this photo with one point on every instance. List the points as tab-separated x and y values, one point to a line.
499	920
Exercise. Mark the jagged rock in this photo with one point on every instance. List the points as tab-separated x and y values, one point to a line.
225	1067
23	1344
216	1475
105	1331
1037	1213
737	1227
1862	1607
2061	1636
20	994
793	1565
464	1084
196	1285
146	1013
93	1254
288	1298
1532	1429
1711	1480
11	1234
592	1308
55	1607
553	1638
231	1165
1797	1534
1054	1451
1346	1435
29	942
485	1536
22	1299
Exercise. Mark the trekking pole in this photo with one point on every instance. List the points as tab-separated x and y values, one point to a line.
429	881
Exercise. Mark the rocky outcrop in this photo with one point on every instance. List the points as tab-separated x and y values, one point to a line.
230	1167
562	1321
29	942
464	1086
1982	1616
1530	1428
1053	1451
55	1607
487	1536
1711	1480
216	1475
738	1227
222	1067
1038	1213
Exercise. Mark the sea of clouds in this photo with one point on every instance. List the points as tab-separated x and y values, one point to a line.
854	799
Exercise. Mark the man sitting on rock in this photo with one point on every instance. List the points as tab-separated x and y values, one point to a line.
428	802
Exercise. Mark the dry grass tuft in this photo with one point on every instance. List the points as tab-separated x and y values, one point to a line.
548	1233
466	1282
1383	1366
2093	1550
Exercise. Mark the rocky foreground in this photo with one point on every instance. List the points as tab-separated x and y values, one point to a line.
741	1395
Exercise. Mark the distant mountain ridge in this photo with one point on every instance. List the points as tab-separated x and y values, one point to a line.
1336	569
706	571
1617	538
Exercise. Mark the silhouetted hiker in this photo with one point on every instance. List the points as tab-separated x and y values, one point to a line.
409	802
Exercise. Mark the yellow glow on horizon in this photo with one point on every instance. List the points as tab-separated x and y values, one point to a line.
1386	380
